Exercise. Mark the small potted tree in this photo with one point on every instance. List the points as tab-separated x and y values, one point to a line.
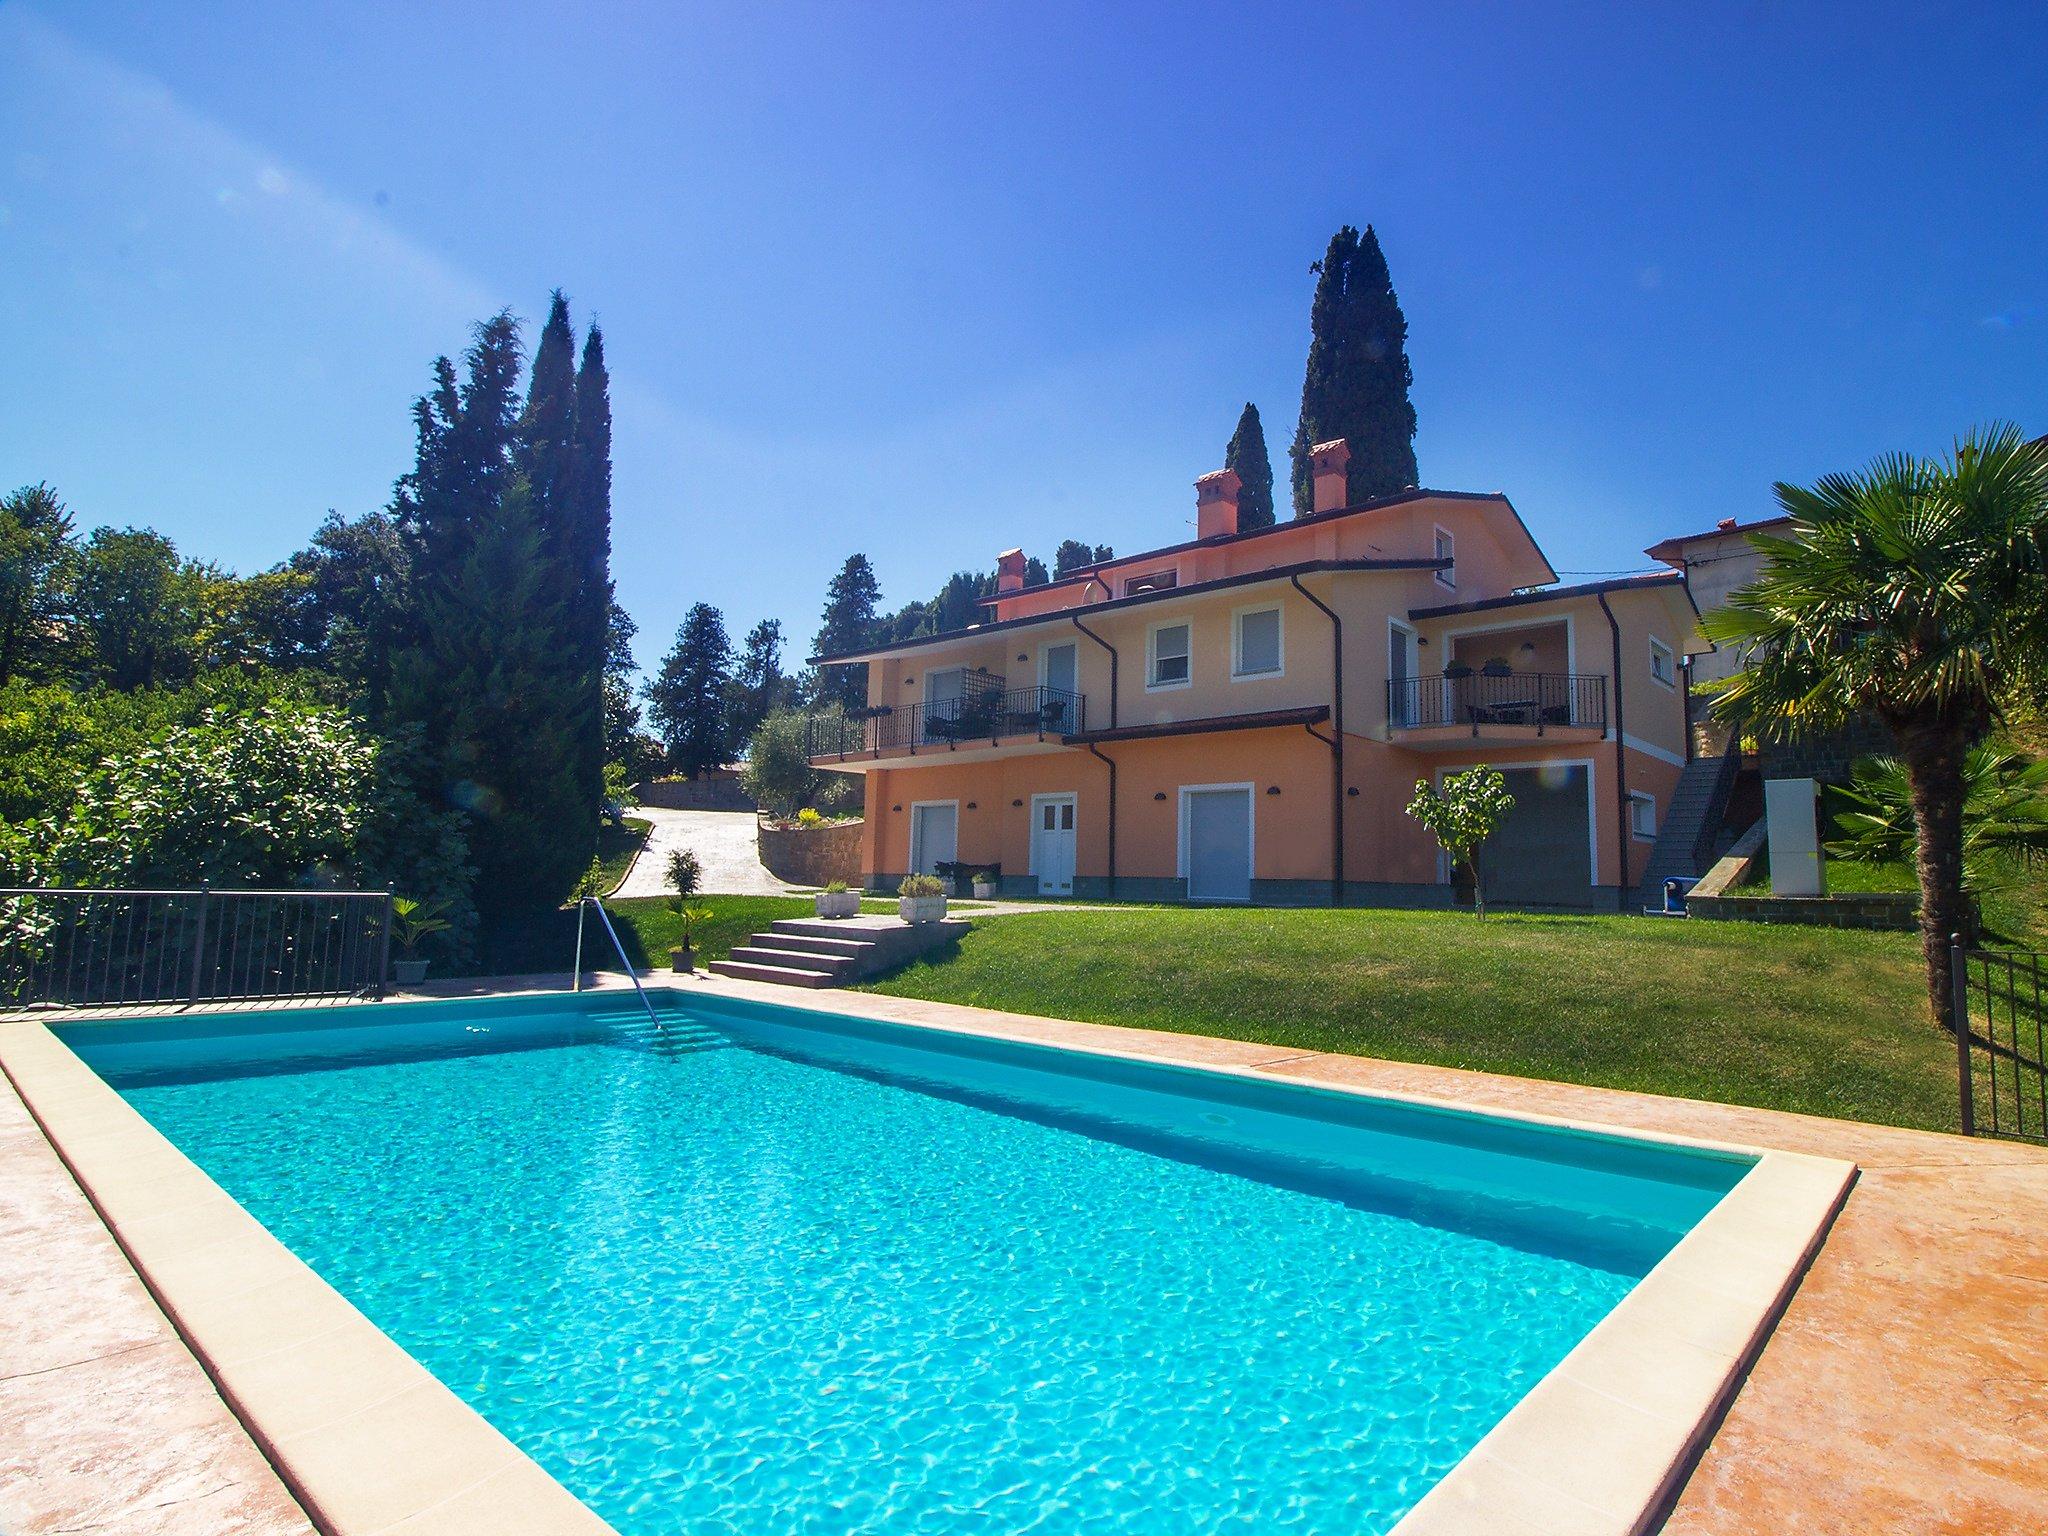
984	885
411	921
921	899
837	900
682	958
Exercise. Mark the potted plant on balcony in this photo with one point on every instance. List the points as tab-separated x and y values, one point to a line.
921	899
837	900
682	958
411	921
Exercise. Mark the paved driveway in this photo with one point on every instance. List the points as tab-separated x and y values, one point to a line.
724	844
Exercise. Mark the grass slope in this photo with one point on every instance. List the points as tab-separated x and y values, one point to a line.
1812	1020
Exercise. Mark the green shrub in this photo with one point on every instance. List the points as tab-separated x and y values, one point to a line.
921	885
684	872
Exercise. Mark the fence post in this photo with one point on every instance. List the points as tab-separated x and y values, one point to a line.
199	936
384	942
1959	988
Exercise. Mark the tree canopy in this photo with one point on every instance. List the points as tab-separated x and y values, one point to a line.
1358	376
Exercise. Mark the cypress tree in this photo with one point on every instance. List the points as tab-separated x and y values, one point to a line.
486	687
543	452
849	624
587	547
1247	455
689	697
1357	380
480	667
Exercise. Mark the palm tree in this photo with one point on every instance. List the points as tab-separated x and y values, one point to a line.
1916	591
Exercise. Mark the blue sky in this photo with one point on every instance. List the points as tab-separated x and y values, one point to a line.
931	281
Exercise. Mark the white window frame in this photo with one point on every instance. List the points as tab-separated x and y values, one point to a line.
1671	664
1638	798
1135	585
1237	618
1152	685
1445	543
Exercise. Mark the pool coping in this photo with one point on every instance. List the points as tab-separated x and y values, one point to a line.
369	1441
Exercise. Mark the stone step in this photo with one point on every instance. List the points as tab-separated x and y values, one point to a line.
857	949
795	959
782	975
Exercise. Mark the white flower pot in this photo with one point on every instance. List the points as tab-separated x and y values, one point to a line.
921	909
984	890
838	903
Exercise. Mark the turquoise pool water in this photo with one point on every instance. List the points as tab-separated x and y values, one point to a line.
770	1270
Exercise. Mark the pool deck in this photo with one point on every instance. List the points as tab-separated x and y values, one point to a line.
1903	1389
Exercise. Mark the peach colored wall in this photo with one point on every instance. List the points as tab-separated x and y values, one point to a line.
1292	829
1291	837
1492	554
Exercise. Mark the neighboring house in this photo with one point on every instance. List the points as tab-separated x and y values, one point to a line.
1714	564
1243	717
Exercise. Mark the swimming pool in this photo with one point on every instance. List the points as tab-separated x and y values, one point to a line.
771	1268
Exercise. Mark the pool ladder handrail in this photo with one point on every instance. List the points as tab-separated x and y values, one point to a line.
632	975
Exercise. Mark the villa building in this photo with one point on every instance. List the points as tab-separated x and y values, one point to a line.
1243	717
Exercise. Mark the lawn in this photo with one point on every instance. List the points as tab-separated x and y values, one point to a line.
617	844
1819	1021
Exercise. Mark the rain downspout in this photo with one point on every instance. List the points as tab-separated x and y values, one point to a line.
1092	750
1620	760
1336	740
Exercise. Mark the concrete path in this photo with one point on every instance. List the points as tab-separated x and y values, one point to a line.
724	844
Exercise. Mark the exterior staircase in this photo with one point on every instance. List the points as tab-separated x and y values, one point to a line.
830	952
1689	840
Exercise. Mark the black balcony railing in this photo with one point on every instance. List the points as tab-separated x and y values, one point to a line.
988	714
107	948
1477	700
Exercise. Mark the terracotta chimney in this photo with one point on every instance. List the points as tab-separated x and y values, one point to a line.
1010	571
1725	525
1327	462
1216	503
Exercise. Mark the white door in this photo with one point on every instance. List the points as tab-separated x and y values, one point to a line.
1217	826
934	836
1052	844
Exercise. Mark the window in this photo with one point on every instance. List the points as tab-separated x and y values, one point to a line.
1151	581
1663	663
1256	646
1642	815
1166	657
1446	550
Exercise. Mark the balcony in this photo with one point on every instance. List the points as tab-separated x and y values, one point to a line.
981	719
1451	709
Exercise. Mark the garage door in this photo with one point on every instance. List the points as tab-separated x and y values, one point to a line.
1543	855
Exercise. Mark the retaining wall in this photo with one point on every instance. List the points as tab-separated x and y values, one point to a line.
812	855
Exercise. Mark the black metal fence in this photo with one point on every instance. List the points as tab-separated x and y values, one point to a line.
82	948
1480	699
2001	1043
976	714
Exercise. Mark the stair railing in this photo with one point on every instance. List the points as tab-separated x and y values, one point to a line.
583	907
